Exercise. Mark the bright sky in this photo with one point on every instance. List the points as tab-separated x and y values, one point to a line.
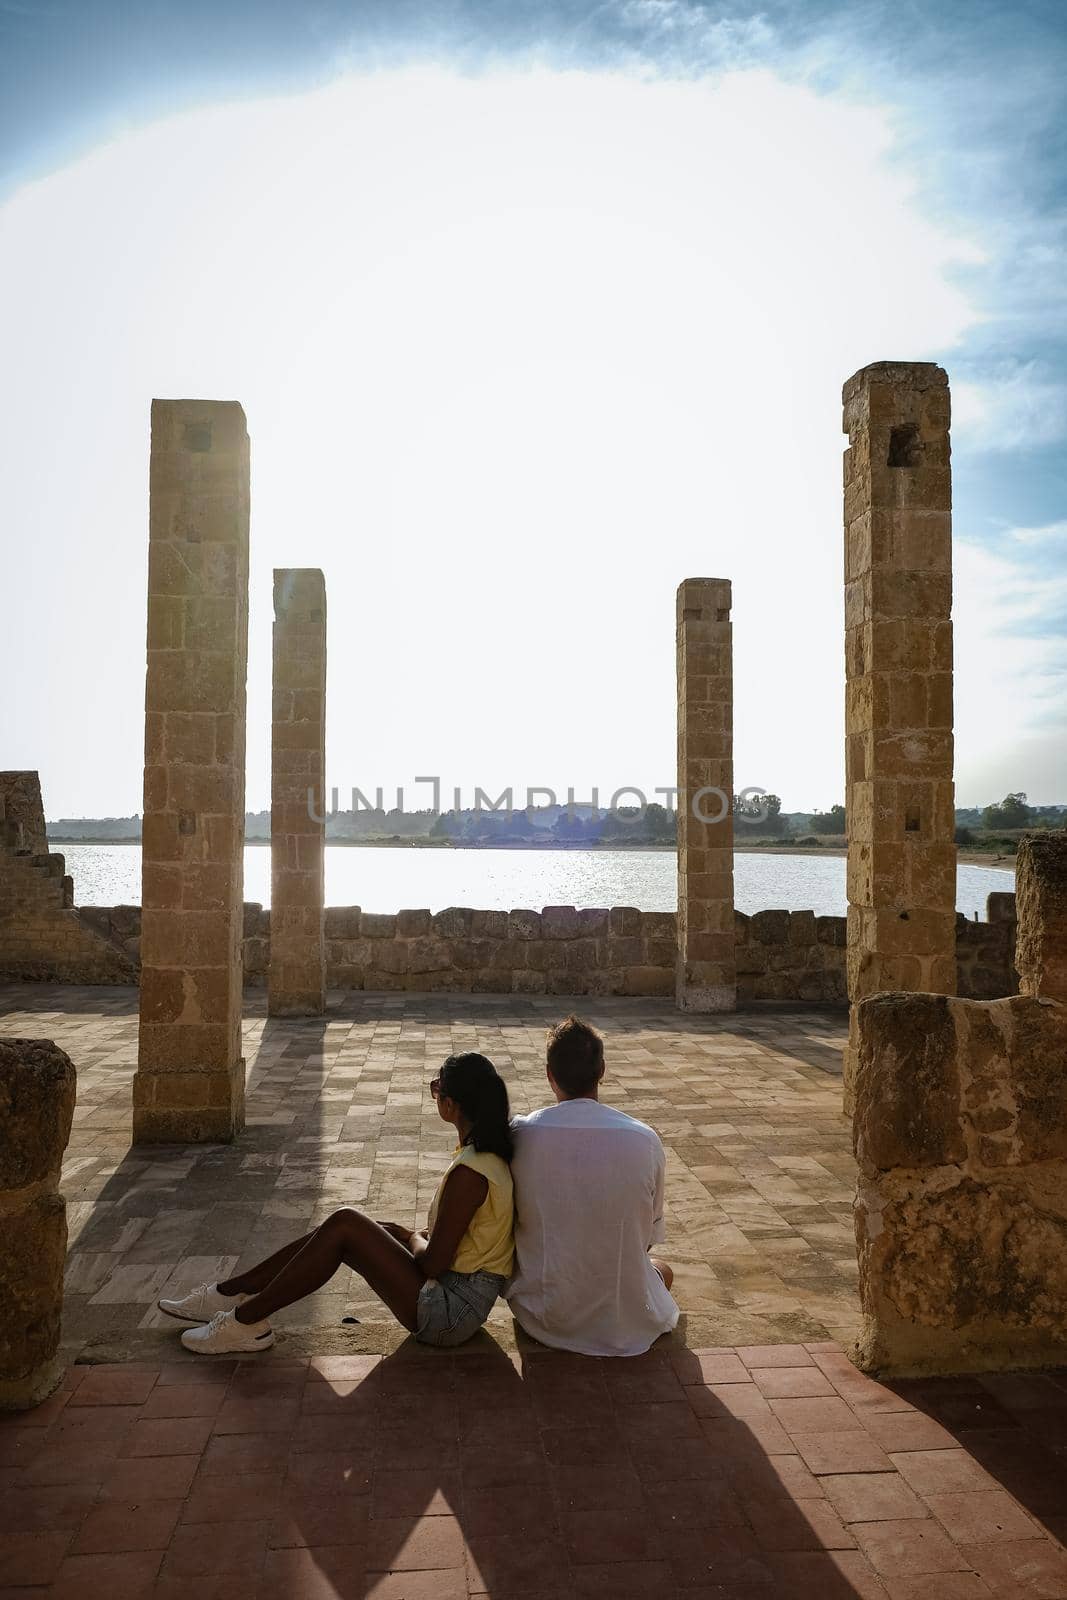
520	348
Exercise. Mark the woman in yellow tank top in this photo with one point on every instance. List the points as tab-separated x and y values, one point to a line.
440	1284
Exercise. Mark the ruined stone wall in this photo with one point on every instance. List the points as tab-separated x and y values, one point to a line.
781	955
43	937
960	1133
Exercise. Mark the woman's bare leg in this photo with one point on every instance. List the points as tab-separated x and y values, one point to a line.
258	1277
347	1238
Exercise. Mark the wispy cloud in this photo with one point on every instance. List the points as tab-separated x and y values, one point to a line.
1019	405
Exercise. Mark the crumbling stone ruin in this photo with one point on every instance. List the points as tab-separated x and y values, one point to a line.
190	1072
707	972
960	1133
898	671
297	977
37	1084
1041	890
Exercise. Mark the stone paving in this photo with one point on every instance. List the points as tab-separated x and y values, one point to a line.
717	1475
760	1176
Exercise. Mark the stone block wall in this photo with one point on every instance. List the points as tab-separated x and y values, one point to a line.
960	1133
781	955
43	936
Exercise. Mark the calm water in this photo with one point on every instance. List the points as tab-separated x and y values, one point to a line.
395	879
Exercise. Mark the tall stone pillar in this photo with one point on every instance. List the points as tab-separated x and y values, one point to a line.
37	1086
898	667
189	1085
297	981
706	974
1041	904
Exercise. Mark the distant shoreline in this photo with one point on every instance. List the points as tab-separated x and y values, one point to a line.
973	858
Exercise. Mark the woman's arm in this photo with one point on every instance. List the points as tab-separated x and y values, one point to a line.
464	1191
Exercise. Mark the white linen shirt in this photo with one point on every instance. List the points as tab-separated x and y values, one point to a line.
589	1186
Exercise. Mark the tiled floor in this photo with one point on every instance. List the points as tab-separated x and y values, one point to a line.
759	1213
718	1475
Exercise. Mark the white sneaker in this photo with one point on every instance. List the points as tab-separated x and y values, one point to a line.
224	1335
201	1304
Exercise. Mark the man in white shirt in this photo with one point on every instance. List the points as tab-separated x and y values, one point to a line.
589	1206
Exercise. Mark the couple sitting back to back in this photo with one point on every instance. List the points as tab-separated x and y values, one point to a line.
558	1211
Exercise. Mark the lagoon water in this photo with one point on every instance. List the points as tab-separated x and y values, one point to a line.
395	878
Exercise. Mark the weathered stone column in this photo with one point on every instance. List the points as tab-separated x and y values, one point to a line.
190	1072
1041	907
706	973
960	1133
898	666
297	981
37	1086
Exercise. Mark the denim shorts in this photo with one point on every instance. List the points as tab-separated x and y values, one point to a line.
454	1306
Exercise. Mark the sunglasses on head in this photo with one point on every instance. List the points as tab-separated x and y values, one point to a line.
435	1086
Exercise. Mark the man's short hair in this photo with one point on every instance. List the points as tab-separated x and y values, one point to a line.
575	1056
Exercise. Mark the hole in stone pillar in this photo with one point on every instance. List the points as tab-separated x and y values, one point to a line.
904	917
912	822
691	613
722	616
197	436
905	449
187	822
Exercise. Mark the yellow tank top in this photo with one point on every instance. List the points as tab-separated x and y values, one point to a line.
488	1244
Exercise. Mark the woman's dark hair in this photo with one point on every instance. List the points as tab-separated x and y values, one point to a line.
472	1081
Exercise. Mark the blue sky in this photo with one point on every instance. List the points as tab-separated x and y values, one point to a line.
971	97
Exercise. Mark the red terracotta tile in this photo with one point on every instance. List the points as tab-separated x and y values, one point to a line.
401	1450
517	1508
651	1384
504	1463
194	1369
774	1355
842	1452
908	1548
20	1446
450	1585
827	1415
319	1519
941	1471
150	1478
115	1526
825	1575
42	1416
709	1366
871	1497
981	1516
798	1525
657	1422
114	1386
96	1422
46	1509
637	1580
583	1410
253	1497
324	1574
622	1533
694	1503
275	1415
584	1446
185	1400
338	1472
1021	1569
351	1368
31	1558
411	1544
166	1436
228	1453
352	1398
689	1458
503	1564
908	1431
128	1576
775	1477
789	1383
950	1586
70	1460
197	1552
488	1423
730	1557
576	1488
422	1493
324	1433
728	1400
209	1586
747	1438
